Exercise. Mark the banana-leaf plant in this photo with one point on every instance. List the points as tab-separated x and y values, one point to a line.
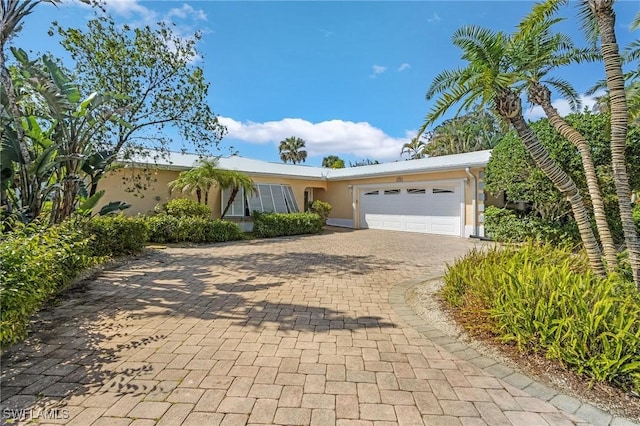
60	127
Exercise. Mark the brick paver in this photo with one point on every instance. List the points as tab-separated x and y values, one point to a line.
302	330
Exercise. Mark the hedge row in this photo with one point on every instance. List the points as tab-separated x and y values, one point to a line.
37	262
169	229
268	225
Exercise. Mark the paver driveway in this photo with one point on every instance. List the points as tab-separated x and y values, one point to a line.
284	331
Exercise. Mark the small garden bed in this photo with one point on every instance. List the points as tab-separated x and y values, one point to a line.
540	305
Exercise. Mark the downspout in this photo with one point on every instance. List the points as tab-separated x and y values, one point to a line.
474	196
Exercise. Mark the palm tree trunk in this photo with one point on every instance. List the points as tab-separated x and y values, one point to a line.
576	138
232	198
565	184
605	17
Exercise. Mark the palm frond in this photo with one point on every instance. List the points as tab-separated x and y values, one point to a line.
567	91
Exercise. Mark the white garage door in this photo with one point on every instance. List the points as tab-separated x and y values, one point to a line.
417	208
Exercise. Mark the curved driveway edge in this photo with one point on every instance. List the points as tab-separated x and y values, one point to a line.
284	331
565	403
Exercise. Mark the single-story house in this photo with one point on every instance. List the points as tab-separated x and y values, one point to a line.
440	195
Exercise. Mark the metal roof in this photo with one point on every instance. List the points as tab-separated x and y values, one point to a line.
179	161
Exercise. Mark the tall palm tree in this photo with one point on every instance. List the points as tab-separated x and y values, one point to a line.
598	20
538	52
414	149
291	150
234	180
489	79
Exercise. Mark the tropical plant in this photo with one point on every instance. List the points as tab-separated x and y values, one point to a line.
476	130
292	150
198	180
58	128
539	51
544	299
333	162
234	181
414	149
365	162
488	79
12	15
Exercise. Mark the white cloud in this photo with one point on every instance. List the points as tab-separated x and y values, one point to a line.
563	107
404	67
434	18
331	137
377	70
186	11
131	8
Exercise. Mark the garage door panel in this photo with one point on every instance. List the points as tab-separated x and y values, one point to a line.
421	208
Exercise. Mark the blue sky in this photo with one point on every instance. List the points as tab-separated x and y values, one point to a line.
347	77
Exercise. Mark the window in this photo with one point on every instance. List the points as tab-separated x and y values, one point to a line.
372	193
391	191
267	198
442	191
416	191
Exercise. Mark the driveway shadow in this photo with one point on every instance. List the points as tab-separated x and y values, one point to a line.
98	339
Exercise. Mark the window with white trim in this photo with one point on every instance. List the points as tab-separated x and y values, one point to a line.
268	198
391	191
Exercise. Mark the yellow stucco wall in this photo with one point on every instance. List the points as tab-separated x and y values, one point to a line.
118	184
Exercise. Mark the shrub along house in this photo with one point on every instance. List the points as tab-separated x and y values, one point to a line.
439	195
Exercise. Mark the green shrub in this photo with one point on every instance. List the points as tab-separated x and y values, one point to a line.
162	228
267	225
636	216
507	226
321	208
168	229
37	262
117	235
544	297
183	207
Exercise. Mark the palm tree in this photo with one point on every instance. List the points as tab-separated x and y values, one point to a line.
234	180
333	162
538	52
477	130
291	150
414	149
489	79
598	22
199	180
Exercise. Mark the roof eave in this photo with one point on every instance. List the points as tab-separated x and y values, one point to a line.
410	171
